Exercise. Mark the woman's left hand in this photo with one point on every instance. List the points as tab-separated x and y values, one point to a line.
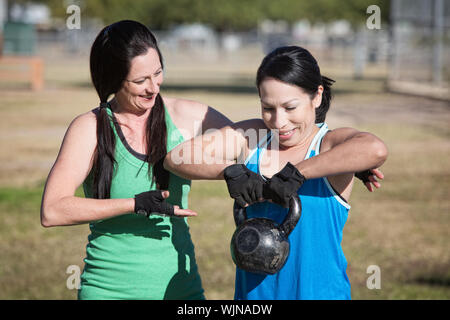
283	185
369	178
153	202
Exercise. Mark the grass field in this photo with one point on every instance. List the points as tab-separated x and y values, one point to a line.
403	228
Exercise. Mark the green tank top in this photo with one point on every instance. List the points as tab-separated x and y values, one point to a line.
134	257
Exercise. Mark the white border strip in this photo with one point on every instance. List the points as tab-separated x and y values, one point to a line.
322	131
335	195
250	156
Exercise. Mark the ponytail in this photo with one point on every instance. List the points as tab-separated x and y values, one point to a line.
103	166
104	160
157	143
111	54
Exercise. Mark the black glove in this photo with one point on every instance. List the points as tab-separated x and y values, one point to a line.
152	202
283	185
244	185
363	175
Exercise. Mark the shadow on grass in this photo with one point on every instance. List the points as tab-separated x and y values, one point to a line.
433	280
433	274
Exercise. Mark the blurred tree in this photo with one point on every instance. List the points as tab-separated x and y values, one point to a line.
232	15
324	10
222	15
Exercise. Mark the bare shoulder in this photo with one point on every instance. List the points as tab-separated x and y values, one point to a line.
75	159
194	117
182	108
336	136
82	130
87	119
187	115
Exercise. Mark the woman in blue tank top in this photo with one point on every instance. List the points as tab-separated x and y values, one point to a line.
290	151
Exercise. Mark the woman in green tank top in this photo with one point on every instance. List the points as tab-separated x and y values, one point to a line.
116	152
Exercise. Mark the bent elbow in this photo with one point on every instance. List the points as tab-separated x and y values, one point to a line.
45	223
380	152
46	220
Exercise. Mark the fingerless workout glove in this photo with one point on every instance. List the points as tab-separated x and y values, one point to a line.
283	185
244	185
363	175
152	202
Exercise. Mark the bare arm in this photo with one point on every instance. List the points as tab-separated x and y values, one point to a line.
345	151
205	156
59	204
210	138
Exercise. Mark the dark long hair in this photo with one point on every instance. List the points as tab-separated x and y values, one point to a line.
111	54
295	65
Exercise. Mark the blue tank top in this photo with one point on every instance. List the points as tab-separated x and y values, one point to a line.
316	266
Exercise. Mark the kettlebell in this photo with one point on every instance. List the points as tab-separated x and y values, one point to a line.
260	245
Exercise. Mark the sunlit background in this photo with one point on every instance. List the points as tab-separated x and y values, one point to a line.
390	60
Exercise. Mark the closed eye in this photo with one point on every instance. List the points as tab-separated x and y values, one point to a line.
267	106
141	81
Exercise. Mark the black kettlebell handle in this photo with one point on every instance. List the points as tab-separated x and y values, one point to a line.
289	223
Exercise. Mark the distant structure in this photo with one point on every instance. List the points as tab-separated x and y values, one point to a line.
18	59
420	53
3	16
193	36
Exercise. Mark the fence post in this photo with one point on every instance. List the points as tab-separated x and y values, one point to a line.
37	77
438	35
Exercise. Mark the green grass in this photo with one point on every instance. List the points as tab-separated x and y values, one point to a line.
408	244
211	232
35	259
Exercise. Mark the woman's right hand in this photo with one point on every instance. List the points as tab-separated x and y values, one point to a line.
244	185
153	202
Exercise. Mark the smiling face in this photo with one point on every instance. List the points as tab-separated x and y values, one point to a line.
142	83
289	111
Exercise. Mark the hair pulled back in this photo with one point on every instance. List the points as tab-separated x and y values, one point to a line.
110	60
295	65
